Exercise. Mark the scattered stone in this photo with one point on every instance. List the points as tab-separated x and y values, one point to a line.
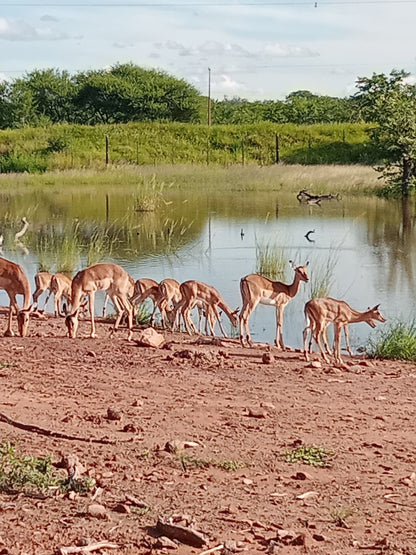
301	476
122	508
267	358
409	481
165	543
92	354
97	511
114	414
247	481
307	495
268	406
175	445
150	338
319	538
131	428
256	412
315	364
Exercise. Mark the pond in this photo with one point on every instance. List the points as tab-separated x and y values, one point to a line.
364	245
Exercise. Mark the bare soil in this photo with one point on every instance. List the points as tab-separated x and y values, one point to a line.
238	409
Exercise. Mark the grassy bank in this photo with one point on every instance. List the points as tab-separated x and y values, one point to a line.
289	178
75	146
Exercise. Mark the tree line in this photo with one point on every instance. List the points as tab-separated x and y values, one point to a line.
127	92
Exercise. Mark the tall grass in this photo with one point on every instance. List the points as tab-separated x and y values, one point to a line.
322	274
396	340
271	261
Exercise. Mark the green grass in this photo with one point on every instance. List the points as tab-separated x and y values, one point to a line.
340	514
30	474
396	340
228	465
271	261
312	455
178	143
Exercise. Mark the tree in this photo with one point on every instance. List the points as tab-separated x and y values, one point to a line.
390	101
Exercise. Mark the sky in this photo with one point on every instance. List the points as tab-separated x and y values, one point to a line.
258	50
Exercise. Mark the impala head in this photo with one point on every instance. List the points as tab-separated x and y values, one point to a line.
234	317
23	319
300	271
71	322
375	316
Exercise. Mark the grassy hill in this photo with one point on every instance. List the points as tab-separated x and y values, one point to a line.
75	146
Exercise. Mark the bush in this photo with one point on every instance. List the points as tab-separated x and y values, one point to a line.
20	163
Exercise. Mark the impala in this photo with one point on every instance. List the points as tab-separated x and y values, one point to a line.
15	282
257	289
101	277
320	312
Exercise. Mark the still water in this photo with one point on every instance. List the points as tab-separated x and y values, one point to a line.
365	246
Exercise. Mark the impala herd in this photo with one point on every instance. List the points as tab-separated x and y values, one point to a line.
175	301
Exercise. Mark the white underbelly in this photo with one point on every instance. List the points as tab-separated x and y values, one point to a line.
268	301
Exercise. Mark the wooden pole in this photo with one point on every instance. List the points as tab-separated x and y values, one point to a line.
242	151
277	149
209	96
107	150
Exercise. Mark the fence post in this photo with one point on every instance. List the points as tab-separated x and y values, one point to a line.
277	149
137	153
107	150
242	152
208	151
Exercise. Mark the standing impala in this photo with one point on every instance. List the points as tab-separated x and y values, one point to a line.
101	277
320	312
257	289
15	282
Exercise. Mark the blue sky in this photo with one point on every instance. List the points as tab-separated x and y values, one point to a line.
254	50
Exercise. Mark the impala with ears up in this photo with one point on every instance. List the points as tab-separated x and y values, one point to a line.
257	289
320	312
15	282
101	277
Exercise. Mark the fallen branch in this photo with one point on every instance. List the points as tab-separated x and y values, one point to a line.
88	548
401	504
51	433
181	533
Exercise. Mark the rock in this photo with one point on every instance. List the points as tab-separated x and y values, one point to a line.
150	338
315	364
247	481
256	412
319	538
267	358
97	511
301	476
122	508
268	406
165	543
113	414
92	354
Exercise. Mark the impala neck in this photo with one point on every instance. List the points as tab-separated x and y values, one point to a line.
223	305
293	289
357	316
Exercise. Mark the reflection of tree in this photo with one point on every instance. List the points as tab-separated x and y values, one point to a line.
393	229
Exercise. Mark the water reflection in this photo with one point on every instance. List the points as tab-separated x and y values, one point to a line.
212	237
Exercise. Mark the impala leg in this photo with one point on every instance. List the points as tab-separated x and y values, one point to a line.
347	340
245	313
91	303
337	343
279	326
127	306
319	331
305	341
13	306
218	317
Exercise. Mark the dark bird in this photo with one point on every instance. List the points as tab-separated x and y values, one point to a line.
307	236
242	233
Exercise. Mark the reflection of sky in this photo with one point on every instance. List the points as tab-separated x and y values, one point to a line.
221	257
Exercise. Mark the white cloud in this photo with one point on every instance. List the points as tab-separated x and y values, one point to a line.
288	51
123	45
227	84
22	31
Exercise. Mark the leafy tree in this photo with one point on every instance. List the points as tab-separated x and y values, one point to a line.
390	101
130	93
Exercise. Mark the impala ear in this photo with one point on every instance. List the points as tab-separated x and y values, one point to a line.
307	263
376	307
292	264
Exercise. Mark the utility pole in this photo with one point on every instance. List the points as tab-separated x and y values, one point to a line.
209	96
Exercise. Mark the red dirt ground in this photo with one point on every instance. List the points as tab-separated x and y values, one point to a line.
238	409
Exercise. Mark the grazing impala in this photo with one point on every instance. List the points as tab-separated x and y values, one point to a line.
193	292
257	289
15	282
57	284
43	283
102	277
146	288
320	312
